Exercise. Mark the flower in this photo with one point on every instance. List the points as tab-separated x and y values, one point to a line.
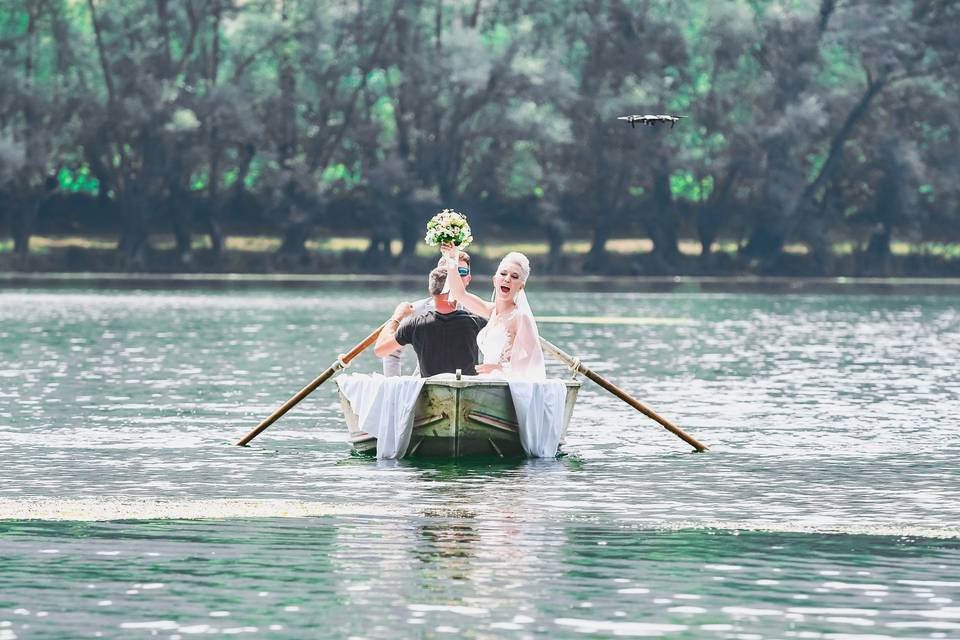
449	226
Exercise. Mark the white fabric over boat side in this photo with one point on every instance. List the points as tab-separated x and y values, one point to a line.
540	405
384	408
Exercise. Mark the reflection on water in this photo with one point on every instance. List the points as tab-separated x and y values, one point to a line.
384	577
826	508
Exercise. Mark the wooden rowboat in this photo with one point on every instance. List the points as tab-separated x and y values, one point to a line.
458	418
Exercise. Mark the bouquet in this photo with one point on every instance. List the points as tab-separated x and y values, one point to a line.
449	227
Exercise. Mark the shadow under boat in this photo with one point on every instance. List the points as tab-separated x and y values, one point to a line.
460	418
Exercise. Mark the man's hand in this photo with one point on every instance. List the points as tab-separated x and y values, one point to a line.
387	340
403	310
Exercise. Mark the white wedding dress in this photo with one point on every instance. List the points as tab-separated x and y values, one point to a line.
494	341
539	402
518	353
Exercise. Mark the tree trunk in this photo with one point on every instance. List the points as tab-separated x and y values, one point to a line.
596	260
182	229
556	236
597	256
709	222
101	53
410	228
163	33
663	233
556	229
763	245
295	239
245	155
783	181
215	232
135	232
297	230
214	147
713	214
287	80
23	215
378	254
184	240
876	257
662	225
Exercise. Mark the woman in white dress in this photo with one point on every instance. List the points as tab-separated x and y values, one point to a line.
510	343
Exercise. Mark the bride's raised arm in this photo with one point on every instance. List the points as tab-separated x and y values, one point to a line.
474	304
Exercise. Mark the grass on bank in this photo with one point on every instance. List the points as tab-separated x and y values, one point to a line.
490	250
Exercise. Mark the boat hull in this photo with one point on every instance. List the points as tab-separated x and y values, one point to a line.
460	418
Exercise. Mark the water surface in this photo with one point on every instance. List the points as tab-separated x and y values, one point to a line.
826	507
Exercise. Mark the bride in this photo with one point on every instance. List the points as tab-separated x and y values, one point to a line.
510	342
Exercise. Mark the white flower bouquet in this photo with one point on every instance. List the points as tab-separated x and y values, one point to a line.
449	227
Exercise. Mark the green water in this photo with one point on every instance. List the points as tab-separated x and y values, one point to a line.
825	509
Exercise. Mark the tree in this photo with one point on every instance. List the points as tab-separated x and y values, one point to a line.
293	117
891	42
34	109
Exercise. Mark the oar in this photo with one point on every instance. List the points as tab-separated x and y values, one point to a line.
339	364
579	367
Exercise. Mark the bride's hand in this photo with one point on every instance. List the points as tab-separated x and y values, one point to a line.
487	368
450	251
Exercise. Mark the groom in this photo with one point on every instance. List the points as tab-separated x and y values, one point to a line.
444	338
393	362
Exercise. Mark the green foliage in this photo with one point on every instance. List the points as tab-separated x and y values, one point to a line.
79	180
340	173
686	186
842	114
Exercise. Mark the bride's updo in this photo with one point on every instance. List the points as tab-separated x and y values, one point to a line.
517	258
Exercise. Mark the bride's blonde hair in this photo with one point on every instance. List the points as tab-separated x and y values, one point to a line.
517	258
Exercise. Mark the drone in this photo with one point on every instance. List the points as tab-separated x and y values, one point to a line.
651	120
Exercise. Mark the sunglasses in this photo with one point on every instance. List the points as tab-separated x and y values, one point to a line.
463	271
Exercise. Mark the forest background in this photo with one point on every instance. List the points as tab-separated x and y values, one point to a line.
820	136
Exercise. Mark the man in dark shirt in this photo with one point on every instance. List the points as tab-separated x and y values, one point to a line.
444	339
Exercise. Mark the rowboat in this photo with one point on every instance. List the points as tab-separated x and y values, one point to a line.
459	418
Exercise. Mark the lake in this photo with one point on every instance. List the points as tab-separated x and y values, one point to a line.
827	506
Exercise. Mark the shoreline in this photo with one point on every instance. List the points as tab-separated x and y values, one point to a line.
652	284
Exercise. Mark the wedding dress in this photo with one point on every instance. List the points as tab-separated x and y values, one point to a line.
494	341
518	353
539	402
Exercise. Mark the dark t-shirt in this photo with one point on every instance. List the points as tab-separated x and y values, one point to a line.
444	342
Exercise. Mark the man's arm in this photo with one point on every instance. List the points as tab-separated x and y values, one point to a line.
387	340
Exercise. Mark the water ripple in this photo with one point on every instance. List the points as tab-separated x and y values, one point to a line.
825	509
